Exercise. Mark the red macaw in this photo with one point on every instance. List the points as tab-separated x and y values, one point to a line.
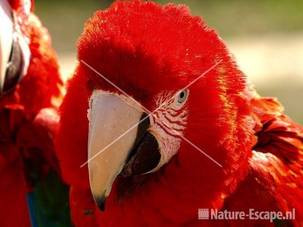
30	90
158	121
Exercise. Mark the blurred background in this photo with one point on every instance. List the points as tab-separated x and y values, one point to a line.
265	36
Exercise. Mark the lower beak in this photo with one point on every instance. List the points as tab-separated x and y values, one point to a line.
113	133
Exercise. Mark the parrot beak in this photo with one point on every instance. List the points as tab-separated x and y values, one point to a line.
14	49
6	39
117	144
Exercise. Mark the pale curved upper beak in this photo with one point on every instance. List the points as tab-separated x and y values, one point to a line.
112	134
6	38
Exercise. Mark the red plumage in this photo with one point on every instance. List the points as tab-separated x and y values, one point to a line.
145	48
28	121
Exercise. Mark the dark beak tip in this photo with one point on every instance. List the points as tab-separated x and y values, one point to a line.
101	202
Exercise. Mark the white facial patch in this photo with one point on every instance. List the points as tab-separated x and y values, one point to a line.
167	125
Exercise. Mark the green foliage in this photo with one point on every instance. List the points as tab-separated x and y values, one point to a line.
234	17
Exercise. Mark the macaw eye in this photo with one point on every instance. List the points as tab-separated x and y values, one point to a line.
14	67
181	97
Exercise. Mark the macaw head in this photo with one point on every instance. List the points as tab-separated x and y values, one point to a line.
155	88
28	67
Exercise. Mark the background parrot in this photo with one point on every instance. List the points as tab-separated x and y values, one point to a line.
30	91
158	121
